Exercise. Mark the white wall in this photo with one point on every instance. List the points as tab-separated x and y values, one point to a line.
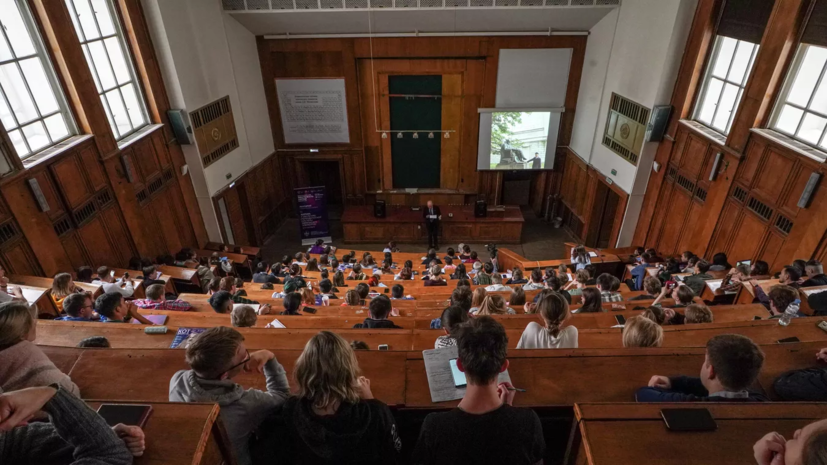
204	54
647	44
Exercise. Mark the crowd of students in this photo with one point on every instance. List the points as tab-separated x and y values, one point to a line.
331	415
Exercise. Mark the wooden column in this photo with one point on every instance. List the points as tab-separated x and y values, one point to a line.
768	72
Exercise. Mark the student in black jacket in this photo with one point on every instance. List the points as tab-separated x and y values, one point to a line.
333	417
805	385
380	307
731	366
815	274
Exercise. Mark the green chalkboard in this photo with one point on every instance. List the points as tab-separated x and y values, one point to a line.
416	162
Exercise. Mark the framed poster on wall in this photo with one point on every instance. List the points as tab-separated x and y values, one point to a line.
313	111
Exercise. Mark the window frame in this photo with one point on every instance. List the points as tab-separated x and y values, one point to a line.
708	76
44	55
135	78
781	101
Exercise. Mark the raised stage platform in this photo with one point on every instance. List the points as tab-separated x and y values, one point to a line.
404	225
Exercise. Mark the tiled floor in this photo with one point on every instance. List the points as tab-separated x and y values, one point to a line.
541	241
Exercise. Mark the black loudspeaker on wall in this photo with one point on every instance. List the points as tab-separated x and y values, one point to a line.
379	209
809	189
480	209
180	128
657	123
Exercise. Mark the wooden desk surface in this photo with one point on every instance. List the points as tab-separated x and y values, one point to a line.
177	272
248	250
462	214
236	258
635	433
181	433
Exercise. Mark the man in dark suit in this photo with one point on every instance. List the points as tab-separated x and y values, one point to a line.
536	163
432	216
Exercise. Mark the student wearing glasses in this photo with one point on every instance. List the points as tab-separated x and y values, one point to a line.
78	307
215	357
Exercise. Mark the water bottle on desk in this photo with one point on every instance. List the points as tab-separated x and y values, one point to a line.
790	313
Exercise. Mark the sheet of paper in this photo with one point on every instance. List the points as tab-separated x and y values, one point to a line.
592	254
31	295
714	284
809	292
255	306
277	324
440	379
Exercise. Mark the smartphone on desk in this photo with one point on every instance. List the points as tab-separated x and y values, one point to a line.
459	377
688	419
128	414
788	340
621	320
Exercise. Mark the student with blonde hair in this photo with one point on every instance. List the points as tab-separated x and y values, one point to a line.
494	304
333	417
476	299
697	313
555	334
640	331
243	316
576	286
580	257
22	363
63	286
352	299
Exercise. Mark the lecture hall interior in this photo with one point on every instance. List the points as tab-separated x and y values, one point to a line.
616	206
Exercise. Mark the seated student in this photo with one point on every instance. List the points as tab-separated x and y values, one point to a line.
452	318
356	273
683	296
555	333
215	357
295	276
338	279
655	313
113	308
605	282
78	307
214	285
535	281
719	262
493	304
352	299
789	276
391	247
576	286
517	298
398	293
292	303
731	366
483	278
313	265
696	281
807	446
221	302
685	257
517	277
326	289
317	248
63	286
460	272
22	363
815	274
592	301
640	272
497	284
592	275
379	308
652	287
736	275
449	266
6	296
781	297
580	257
450	253
75	433
640	331
555	284
367	261
431	257
155	300
697	313
461	297
363	290
654	257
667	269
333	418
477	296
106	279
386	268
227	283
492	431
149	276
85	274
243	316
263	276
96	342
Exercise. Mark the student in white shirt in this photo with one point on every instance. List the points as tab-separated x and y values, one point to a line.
497	284
109	284
556	334
580	257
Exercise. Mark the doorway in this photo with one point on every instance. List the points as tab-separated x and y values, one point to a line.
323	173
601	224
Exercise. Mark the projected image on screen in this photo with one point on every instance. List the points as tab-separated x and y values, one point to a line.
517	140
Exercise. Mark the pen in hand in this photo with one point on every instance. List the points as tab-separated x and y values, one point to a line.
516	389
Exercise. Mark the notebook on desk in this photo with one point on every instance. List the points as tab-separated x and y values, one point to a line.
441	378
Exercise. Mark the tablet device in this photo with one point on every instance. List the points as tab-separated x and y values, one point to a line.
688	419
459	377
128	414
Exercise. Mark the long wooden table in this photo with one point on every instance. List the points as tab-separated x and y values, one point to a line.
633	434
458	224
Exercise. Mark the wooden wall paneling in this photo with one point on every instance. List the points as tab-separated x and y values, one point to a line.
773	175
674	224
88	159
771	249
144	159
71	181
795	187
751	161
119	235
471	100
774	55
374	171
453	93
18	258
96	242
693	157
716	197
235	212
75	251
140	223
650	216
660	214
693	220
746	238
50	193
384	109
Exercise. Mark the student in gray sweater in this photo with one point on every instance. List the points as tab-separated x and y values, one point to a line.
76	433
216	356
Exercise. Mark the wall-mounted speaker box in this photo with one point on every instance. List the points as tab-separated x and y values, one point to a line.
480	209
656	128
379	209
715	166
180	129
809	190
38	195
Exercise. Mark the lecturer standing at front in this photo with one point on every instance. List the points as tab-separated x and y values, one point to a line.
432	216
